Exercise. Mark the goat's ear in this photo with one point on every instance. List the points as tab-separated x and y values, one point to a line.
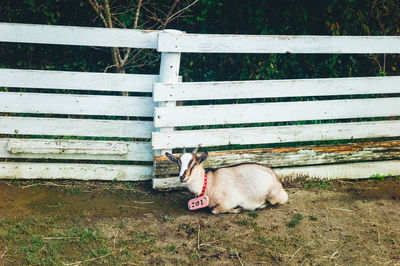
203	157
171	157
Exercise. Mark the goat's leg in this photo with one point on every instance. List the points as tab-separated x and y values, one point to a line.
222	209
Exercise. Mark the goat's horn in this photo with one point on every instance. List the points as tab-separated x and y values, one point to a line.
184	150
195	150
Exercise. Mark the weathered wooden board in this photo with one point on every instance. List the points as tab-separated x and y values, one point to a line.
274	88
213	43
22	170
275	112
75	149
296	156
336	171
75	127
46	103
46	79
70	35
274	134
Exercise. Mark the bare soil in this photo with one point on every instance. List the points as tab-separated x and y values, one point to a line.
73	223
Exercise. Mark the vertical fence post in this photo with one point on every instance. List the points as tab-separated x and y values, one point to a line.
169	73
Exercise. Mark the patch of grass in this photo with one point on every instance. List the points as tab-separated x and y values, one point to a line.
16	183
295	220
193	257
314	183
75	191
312	218
249	223
171	248
130	185
253	214
379	177
37	241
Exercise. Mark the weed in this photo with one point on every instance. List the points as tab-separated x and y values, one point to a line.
312	218
171	248
248	222
295	220
114	180
16	183
244	222
253	214
193	257
313	183
75	191
389	240
379	177
130	185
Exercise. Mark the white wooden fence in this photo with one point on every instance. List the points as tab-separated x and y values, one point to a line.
40	132
339	119
45	130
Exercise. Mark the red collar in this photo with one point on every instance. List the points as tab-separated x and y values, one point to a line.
203	190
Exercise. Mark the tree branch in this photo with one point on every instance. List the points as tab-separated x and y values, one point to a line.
97	8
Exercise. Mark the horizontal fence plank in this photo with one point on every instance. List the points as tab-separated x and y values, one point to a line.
275	88
341	171
23	170
293	156
47	79
75	127
75	149
213	43
72	35
274	134
45	103
321	172
274	112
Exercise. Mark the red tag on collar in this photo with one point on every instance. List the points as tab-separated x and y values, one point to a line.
201	201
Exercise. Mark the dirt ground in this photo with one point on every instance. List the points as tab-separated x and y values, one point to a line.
91	223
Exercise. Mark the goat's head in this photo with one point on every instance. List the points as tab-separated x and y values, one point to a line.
189	164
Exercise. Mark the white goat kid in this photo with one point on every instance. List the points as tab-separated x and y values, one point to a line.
230	188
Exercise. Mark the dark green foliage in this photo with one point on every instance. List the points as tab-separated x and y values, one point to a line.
336	17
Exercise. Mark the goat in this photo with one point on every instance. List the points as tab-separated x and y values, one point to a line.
247	185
